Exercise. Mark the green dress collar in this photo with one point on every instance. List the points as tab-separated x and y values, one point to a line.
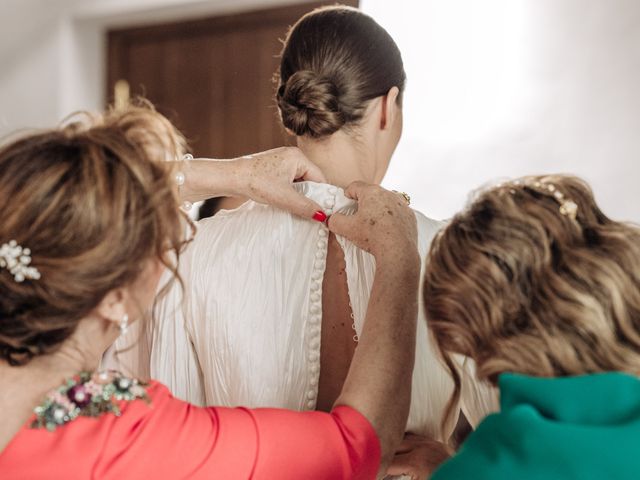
571	428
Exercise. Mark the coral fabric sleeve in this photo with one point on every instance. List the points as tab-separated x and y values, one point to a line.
340	445
169	438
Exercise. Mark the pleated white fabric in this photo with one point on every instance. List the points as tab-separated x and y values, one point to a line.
246	328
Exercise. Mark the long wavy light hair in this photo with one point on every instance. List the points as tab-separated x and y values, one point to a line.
519	286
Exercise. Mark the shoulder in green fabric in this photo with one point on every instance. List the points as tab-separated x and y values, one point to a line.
571	428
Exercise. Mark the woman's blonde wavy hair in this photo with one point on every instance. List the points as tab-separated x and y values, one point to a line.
520	287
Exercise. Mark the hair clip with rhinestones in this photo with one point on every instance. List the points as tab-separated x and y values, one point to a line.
16	259
568	207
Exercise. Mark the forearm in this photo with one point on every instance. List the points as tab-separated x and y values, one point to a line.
208	178
379	381
265	177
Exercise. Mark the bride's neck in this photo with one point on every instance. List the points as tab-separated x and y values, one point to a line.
341	159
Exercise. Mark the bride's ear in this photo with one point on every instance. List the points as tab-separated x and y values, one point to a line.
390	108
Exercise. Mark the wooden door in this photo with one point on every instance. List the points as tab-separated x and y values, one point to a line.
212	77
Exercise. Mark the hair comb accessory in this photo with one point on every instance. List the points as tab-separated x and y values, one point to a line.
568	207
16	259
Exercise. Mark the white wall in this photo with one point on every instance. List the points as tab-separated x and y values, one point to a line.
53	52
502	88
29	57
497	88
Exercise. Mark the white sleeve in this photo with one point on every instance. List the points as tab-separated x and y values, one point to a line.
173	360
479	398
432	384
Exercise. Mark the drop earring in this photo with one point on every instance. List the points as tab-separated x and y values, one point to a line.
124	324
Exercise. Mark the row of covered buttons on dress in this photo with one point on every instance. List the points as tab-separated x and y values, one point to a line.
315	303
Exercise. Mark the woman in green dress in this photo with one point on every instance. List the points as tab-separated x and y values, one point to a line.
542	290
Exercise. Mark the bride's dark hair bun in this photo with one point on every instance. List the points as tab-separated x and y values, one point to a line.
310	105
335	60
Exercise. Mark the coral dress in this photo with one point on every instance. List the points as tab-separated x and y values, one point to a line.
169	438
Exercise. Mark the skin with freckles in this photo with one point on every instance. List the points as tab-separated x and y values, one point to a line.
264	177
418	457
378	347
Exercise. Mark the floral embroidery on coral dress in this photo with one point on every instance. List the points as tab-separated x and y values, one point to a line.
105	426
89	395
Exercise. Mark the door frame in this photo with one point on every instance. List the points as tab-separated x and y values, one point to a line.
119	39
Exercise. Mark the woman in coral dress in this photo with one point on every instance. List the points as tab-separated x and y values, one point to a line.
90	221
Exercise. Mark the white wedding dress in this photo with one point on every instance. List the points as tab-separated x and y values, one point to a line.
246	329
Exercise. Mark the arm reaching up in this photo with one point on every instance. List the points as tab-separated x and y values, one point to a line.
265	177
378	384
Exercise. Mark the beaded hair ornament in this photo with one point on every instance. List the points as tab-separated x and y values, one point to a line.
568	207
16	259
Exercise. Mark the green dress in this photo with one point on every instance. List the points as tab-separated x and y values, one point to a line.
571	428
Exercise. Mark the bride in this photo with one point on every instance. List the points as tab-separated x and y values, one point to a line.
301	291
